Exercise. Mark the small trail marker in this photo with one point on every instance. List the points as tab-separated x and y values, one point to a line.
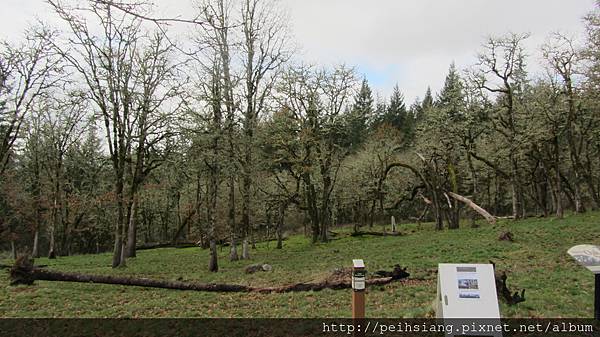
589	257
359	281
393	224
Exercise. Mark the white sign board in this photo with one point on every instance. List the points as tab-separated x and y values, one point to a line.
358	275
466	291
588	256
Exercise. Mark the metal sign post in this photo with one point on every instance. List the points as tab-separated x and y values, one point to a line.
597	299
589	257
359	274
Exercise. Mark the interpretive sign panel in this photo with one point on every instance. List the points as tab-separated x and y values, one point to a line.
467	291
588	256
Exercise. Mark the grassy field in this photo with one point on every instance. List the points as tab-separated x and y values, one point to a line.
537	261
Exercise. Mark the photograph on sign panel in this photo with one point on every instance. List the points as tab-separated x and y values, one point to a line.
468	294
587	260
467	284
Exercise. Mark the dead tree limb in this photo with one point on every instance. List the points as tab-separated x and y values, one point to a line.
184	223
490	218
23	272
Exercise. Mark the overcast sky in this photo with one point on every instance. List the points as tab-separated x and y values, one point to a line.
409	42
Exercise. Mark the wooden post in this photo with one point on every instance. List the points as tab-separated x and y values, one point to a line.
358	289
597	298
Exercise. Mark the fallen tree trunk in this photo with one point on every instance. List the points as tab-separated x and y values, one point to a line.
23	272
490	218
361	233
147	246
316	286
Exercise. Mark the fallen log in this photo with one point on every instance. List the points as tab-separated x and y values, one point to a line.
397	273
361	233
147	246
316	286
23	272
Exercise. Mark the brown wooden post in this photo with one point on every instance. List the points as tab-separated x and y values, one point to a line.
358	289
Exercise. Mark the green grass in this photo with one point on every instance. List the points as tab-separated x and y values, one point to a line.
537	261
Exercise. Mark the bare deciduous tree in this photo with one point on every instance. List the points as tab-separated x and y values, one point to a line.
26	72
501	70
124	71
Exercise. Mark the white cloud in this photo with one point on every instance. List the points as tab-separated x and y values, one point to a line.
411	42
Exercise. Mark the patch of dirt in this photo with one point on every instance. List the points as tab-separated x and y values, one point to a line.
340	275
23	289
415	282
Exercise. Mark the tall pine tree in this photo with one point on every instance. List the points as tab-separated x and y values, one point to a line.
395	114
359	117
451	99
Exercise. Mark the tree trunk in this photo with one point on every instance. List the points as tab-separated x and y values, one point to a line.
439	222
279	231
325	221
577	196
123	259
24	273
246	185
372	213
280	221
514	198
132	230
38	219
313	211
13	249
245	250
497	194
36	244
231	219
213	265
54	223
559	206
51	251
66	227
233	255
118	246
211	205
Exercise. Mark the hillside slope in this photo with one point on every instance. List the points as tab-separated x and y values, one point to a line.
537	261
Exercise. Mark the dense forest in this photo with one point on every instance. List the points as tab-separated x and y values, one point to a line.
115	135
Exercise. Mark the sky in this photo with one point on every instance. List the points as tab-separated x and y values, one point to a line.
406	42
